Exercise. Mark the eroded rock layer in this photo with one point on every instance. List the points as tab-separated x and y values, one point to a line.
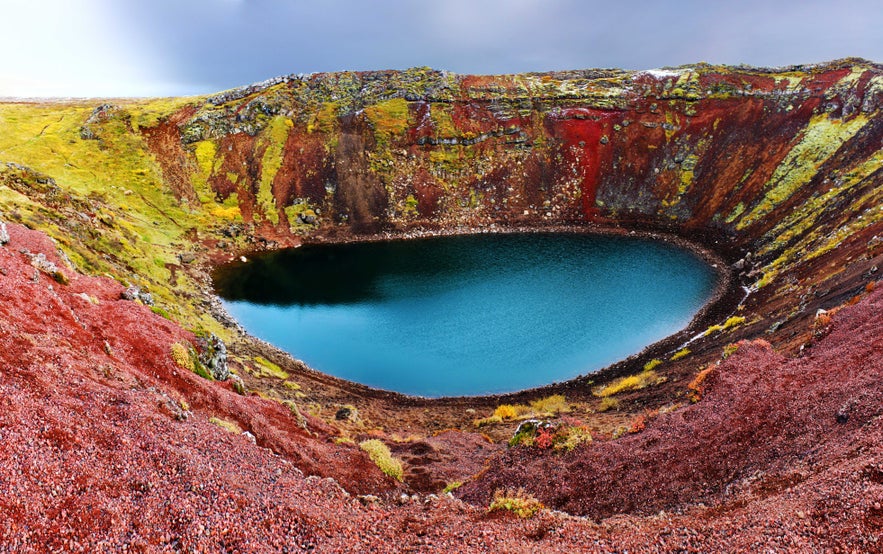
776	172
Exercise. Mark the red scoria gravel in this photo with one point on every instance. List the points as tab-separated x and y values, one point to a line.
106	446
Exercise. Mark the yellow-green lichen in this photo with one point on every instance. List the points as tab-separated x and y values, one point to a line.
822	137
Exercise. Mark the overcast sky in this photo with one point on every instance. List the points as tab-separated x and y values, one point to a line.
177	47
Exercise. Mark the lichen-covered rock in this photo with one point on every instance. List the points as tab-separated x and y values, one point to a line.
213	355
40	262
135	293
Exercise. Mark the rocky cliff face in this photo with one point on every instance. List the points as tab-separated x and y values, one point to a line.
779	167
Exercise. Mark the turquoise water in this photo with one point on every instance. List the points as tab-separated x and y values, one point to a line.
467	315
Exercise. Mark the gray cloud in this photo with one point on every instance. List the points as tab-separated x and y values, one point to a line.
199	46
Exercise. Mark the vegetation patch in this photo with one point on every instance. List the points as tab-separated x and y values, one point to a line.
680	354
383	458
696	387
729	350
266	368
563	435
452	486
542	407
517	501
226	425
608	403
823	137
162	312
555	404
186	357
730	323
633	382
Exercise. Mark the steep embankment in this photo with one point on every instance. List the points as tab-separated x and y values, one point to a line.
108	445
778	172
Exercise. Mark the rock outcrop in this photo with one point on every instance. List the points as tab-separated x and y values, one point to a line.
777	170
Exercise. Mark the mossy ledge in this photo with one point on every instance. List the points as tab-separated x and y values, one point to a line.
775	173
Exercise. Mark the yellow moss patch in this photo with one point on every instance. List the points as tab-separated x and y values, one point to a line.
608	403
266	368
273	139
181	356
325	119
731	322
229	426
555	404
383	458
229	213
682	353
632	382
389	118
506	411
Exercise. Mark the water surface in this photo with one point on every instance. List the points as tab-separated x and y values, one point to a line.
467	315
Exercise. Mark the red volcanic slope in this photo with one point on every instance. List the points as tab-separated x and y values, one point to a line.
785	451
94	455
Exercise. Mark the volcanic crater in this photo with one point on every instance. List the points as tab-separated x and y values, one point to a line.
758	426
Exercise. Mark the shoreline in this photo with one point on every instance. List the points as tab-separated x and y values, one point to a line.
725	289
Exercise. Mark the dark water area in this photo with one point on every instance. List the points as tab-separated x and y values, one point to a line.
467	315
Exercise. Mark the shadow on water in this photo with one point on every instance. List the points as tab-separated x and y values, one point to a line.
331	274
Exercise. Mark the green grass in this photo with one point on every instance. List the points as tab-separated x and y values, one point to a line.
137	221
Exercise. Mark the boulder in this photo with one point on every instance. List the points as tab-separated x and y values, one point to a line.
135	293
213	355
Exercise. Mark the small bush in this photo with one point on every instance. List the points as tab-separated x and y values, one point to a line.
608	403
487	421
682	353
181	356
696	387
574	437
731	322
383	458
638	424
450	487
555	404
295	411
652	364
506	411
517	501
60	277
187	358
525	434
566	434
729	350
